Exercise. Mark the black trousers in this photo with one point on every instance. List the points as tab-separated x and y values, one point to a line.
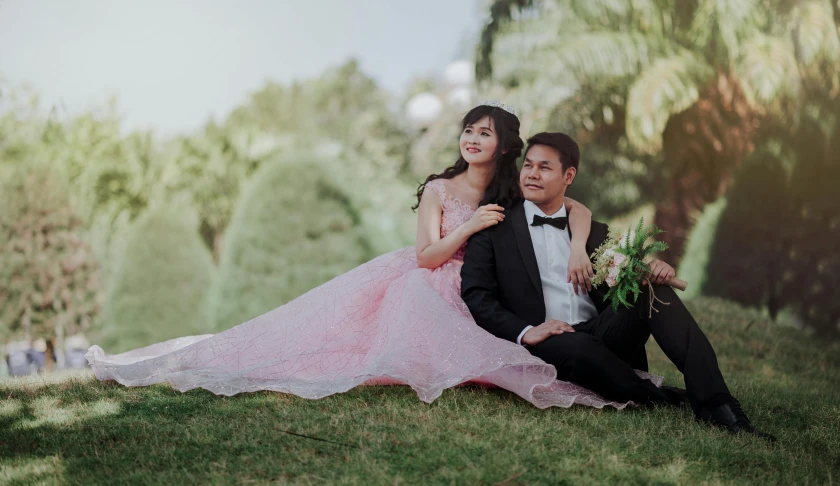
597	354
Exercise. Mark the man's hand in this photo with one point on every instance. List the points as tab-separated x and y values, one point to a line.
660	272
538	334
580	270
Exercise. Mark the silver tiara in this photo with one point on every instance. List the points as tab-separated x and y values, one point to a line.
498	104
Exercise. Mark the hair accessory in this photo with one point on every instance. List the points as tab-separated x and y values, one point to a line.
498	104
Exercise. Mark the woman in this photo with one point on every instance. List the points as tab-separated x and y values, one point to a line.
396	319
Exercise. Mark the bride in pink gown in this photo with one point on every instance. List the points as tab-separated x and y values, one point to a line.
397	319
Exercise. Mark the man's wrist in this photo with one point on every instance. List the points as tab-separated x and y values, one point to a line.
522	335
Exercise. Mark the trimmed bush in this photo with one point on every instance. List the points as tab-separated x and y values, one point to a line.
749	251
160	285
694	265
293	229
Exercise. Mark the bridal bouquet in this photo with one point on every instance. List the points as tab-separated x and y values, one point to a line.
620	262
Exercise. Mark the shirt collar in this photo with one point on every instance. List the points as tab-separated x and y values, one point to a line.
531	209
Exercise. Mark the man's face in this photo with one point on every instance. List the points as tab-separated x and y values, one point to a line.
542	178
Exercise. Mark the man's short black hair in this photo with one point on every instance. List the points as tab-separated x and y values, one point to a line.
562	143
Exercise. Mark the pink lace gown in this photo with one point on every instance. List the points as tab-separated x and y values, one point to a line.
385	322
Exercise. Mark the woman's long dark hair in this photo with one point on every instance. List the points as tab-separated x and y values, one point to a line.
504	187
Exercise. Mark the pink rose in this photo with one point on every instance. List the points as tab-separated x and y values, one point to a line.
620	260
610	281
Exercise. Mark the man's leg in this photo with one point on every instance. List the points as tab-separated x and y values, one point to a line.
676	332
584	359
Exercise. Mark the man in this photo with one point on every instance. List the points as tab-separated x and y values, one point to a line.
514	283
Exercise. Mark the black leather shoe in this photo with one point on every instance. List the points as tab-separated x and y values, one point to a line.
731	417
676	396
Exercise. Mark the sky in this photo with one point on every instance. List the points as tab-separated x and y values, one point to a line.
173	64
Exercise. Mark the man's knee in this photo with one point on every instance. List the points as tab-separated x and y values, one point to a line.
569	352
666	299
666	293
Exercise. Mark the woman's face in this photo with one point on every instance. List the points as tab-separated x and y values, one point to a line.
479	142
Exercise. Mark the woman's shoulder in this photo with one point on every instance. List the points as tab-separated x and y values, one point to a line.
438	186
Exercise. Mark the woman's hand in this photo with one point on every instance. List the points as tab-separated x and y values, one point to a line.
580	270
486	216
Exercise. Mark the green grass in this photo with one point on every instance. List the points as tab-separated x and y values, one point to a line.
75	430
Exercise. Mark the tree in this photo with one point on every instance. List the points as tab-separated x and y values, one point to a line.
687	83
293	229
343	107
342	115
111	178
797	156
49	278
814	260
694	267
161	283
775	244
213	165
749	253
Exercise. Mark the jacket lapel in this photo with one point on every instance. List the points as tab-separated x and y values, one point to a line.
526	246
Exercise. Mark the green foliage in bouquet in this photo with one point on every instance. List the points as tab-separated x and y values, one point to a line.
620	263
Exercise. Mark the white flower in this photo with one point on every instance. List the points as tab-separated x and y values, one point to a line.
611	281
609	253
623	242
613	271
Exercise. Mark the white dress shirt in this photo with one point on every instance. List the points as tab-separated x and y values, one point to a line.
552	247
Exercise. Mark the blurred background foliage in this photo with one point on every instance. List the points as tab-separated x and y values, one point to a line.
681	103
719	119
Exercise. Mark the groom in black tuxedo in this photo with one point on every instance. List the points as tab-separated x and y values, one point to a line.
514	281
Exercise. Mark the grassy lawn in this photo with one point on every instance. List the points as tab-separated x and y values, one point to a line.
75	430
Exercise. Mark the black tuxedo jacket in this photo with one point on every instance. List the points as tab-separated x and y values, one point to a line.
500	279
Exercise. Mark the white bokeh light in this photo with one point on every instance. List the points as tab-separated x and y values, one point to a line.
460	97
460	73
423	108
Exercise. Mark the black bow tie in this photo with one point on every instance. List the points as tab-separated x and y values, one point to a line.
559	223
